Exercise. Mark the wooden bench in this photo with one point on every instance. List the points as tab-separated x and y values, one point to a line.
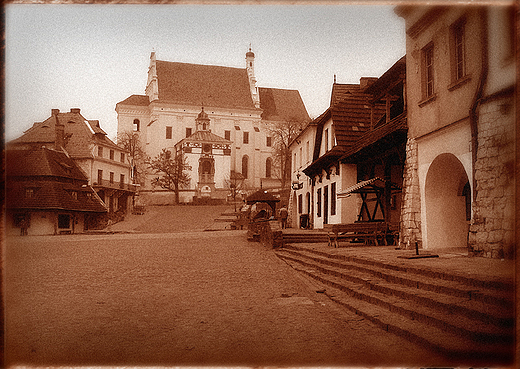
362	231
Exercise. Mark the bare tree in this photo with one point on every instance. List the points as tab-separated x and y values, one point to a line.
172	170
283	133
137	157
235	182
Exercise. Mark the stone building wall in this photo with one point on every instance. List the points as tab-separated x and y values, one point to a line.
492	230
410	224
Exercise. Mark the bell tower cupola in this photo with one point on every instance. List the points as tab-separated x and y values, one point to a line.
250	67
202	121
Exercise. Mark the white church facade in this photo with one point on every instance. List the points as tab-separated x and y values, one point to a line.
238	111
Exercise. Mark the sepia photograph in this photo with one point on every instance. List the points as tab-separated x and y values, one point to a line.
260	184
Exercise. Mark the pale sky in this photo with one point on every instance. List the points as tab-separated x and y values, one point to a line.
93	56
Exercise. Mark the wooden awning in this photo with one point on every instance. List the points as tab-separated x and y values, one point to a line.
373	185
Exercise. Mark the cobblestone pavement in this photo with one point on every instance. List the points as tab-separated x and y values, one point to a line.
192	298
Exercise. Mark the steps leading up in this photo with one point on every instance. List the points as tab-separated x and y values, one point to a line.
304	237
461	318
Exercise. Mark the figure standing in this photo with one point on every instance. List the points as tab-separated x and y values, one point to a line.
283	216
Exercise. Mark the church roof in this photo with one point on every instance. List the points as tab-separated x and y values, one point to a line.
197	84
282	105
139	100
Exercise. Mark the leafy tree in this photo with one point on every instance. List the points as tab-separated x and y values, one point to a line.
172	170
131	142
283	133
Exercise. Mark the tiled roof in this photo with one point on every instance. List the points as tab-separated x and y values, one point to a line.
206	136
139	100
80	134
40	132
94	124
351	118
197	84
395	74
373	137
282	105
53	177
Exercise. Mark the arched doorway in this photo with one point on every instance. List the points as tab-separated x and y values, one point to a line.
447	195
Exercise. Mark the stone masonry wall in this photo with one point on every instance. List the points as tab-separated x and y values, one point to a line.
492	230
410	223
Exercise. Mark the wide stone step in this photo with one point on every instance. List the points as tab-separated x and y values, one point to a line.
445	312
402	318
489	298
505	288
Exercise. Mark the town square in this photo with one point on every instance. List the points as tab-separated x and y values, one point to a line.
261	185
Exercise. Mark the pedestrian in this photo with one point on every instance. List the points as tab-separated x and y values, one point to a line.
283	216
23	226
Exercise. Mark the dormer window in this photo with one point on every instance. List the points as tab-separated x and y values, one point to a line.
29	193
326	137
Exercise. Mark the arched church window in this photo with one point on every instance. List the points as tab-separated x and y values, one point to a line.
268	165
136	125
206	167
245	165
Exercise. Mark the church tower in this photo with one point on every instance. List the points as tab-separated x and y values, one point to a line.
250	67
152	86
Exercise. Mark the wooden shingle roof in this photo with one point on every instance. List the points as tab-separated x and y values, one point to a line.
53	178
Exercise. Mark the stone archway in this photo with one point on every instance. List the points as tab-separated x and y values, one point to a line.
446	195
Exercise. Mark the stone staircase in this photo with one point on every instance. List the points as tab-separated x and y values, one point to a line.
462	319
292	236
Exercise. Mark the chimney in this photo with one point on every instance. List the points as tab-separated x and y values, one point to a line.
60	131
364	82
55	112
75	110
